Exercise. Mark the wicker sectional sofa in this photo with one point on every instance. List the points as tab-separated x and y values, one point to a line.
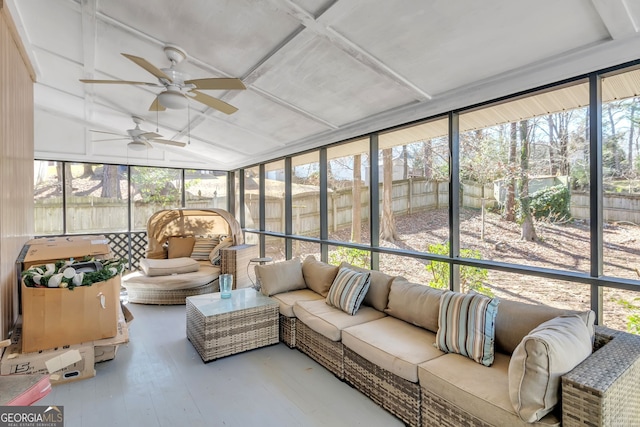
386	351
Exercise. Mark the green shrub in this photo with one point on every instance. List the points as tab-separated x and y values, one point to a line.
471	278
356	257
633	319
551	203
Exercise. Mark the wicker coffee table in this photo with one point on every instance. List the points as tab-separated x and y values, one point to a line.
220	327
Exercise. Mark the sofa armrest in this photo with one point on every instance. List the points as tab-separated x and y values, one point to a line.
235	260
603	389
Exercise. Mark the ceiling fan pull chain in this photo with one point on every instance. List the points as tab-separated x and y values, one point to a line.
157	120
189	124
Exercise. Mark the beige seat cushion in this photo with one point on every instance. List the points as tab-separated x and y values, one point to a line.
479	390
204	275
516	319
330	321
288	299
380	284
318	275
166	267
548	352
392	344
280	277
414	303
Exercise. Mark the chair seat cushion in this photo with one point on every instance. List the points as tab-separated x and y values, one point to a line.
477	389
330	321
206	274
167	267
392	344
288	299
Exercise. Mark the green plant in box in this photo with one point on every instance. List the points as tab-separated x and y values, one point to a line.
69	274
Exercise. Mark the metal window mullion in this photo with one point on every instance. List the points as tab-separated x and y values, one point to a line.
454	200
596	189
231	187
129	222
374	199
64	197
324	213
261	207
288	208
241	176
183	192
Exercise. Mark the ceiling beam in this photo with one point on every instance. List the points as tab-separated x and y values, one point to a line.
616	17
321	27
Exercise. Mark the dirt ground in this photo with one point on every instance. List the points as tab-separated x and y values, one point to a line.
560	246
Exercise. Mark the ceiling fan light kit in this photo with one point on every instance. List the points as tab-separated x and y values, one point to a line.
137	146
178	86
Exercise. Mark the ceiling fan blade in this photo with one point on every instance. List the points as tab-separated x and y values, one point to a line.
150	135
119	82
108	133
212	102
156	106
168	142
147	66
217	83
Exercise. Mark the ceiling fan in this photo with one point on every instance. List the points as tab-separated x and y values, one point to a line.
178	86
139	139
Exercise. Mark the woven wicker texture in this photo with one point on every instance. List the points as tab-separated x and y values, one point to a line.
395	394
235	260
168	297
288	330
437	412
232	332
603	390
320	348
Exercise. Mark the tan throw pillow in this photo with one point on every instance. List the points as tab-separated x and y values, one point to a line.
414	303
203	247
167	267
548	352
215	256
181	246
378	294
318	275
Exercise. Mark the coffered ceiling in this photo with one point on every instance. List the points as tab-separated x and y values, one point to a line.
315	71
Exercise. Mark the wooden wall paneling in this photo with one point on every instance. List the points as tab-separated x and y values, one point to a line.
16	163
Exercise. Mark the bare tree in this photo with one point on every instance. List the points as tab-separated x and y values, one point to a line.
110	182
528	229
387	224
356	220
510	204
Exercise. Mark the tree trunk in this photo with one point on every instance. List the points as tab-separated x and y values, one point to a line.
528	229
65	180
510	204
388	223
87	171
356	211
405	163
427	153
632	127
110	182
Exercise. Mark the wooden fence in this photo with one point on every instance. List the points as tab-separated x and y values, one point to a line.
95	215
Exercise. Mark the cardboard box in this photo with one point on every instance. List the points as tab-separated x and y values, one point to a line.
55	317
106	349
65	364
45	250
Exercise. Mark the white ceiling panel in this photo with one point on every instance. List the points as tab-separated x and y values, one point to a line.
315	71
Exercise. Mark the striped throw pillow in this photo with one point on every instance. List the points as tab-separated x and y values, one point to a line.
466	325
202	248
348	290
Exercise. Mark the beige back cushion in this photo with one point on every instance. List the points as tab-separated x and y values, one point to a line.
181	246
551	350
280	277
414	303
380	284
516	319
318	275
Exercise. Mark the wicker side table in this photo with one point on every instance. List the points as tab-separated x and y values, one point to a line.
221	327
